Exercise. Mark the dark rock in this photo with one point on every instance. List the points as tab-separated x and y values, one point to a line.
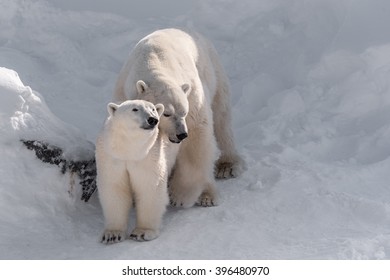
85	169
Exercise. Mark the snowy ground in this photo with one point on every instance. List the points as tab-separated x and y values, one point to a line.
311	103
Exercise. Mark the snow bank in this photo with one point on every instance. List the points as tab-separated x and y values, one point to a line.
25	116
311	103
33	196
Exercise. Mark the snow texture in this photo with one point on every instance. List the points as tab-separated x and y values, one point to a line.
311	106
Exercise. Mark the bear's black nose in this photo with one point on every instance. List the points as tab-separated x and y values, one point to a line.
182	136
152	121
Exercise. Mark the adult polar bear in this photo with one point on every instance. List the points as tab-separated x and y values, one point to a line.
183	72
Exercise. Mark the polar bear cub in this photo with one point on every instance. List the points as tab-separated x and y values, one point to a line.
133	164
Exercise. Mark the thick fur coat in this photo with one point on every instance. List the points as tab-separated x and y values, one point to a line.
133	162
183	72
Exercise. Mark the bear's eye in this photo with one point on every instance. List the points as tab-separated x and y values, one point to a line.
167	115
135	110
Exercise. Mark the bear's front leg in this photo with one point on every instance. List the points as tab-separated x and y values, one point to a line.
115	198
193	180
116	203
151	199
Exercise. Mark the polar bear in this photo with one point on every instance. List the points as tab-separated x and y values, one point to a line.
182	72
133	163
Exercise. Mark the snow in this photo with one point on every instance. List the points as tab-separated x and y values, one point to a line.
311	106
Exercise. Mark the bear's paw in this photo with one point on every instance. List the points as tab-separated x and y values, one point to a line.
207	199
112	236
179	198
140	234
226	169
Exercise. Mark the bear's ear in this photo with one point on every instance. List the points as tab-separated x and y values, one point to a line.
141	86
186	88
160	109
111	108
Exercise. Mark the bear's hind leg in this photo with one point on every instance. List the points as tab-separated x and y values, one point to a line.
229	164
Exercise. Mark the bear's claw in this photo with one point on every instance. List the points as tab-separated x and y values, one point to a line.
180	200
226	169
206	200
140	234
112	236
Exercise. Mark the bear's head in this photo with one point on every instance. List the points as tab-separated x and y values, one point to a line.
136	114
132	128
175	101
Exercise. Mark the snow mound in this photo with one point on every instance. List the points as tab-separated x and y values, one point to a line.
25	116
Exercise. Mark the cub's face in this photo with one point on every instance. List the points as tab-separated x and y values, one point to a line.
173	121
135	116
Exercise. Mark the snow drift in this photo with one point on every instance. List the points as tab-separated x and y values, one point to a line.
311	107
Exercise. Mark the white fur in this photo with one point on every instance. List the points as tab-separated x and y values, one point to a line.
183	72
133	165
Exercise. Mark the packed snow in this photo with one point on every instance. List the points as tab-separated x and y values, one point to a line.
311	106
